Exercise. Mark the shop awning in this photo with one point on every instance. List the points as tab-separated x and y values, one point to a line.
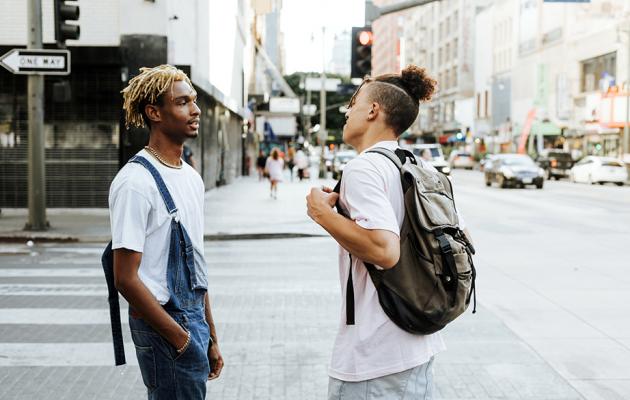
545	129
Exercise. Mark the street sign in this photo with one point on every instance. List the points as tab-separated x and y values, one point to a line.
37	62
284	105
315	84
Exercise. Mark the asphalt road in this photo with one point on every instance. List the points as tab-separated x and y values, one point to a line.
553	267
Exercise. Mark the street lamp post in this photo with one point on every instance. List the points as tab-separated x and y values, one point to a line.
626	128
323	134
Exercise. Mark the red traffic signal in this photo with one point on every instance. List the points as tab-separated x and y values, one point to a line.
361	52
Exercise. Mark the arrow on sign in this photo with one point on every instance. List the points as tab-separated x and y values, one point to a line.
37	62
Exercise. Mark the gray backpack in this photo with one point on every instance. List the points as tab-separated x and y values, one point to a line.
434	279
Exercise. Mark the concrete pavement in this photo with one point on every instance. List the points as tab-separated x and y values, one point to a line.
276	303
231	211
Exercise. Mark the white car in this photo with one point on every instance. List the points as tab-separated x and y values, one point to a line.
593	169
461	159
436	158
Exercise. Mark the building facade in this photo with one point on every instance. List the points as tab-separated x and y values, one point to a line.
86	138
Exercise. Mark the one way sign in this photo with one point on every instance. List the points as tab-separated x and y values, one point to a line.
37	62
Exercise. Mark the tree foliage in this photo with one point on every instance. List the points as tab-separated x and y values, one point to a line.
334	119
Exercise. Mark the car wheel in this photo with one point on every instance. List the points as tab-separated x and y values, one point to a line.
488	183
619	183
502	183
539	185
601	183
556	177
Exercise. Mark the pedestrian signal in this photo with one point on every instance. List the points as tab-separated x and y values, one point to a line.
361	52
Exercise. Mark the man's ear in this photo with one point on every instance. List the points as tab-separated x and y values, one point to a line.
152	112
375	108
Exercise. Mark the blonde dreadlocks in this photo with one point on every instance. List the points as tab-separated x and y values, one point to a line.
147	88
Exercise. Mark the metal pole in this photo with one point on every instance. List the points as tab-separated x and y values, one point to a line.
36	166
322	105
308	116
626	129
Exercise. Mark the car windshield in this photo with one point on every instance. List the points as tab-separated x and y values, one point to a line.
612	164
518	161
561	156
462	155
434	151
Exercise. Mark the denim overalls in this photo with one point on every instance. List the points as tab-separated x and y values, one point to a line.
166	374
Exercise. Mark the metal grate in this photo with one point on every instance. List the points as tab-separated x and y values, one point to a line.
82	138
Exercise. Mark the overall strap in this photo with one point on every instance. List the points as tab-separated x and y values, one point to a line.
166	195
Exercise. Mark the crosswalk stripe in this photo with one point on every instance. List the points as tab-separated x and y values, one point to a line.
58	316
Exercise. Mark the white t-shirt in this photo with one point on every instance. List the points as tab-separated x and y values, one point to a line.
371	193
275	168
140	220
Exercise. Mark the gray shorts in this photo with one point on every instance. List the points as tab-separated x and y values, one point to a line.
415	383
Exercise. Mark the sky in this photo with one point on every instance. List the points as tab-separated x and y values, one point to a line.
303	20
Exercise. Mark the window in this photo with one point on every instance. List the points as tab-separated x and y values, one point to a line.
454	77
478	105
486	112
447	53
455	43
440	57
598	72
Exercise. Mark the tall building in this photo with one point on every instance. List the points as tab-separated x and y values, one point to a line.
439	37
558	68
387	31
85	134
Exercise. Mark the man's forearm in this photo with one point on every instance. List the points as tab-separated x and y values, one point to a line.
357	240
209	320
143	301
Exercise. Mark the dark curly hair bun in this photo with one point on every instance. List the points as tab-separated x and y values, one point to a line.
417	83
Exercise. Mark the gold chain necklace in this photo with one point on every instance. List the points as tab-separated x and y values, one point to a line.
159	158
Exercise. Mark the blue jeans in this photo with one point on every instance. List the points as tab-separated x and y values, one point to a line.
412	384
166	374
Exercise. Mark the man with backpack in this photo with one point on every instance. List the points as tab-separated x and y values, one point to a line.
387	338
156	210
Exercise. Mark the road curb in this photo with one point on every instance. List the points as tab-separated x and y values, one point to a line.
38	237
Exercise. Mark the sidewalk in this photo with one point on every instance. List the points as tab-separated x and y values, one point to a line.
275	302
240	210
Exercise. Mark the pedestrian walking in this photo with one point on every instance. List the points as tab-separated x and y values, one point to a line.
187	155
301	162
373	358
261	161
274	167
291	162
156	210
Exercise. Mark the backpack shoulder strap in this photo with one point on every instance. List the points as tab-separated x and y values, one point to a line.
166	195
392	156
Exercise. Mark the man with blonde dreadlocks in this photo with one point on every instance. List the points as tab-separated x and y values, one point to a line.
156	211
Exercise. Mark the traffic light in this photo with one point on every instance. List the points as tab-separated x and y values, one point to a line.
361	52
64	31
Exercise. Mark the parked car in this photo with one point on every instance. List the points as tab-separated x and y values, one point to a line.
461	159
514	170
340	160
556	163
485	162
437	157
593	169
